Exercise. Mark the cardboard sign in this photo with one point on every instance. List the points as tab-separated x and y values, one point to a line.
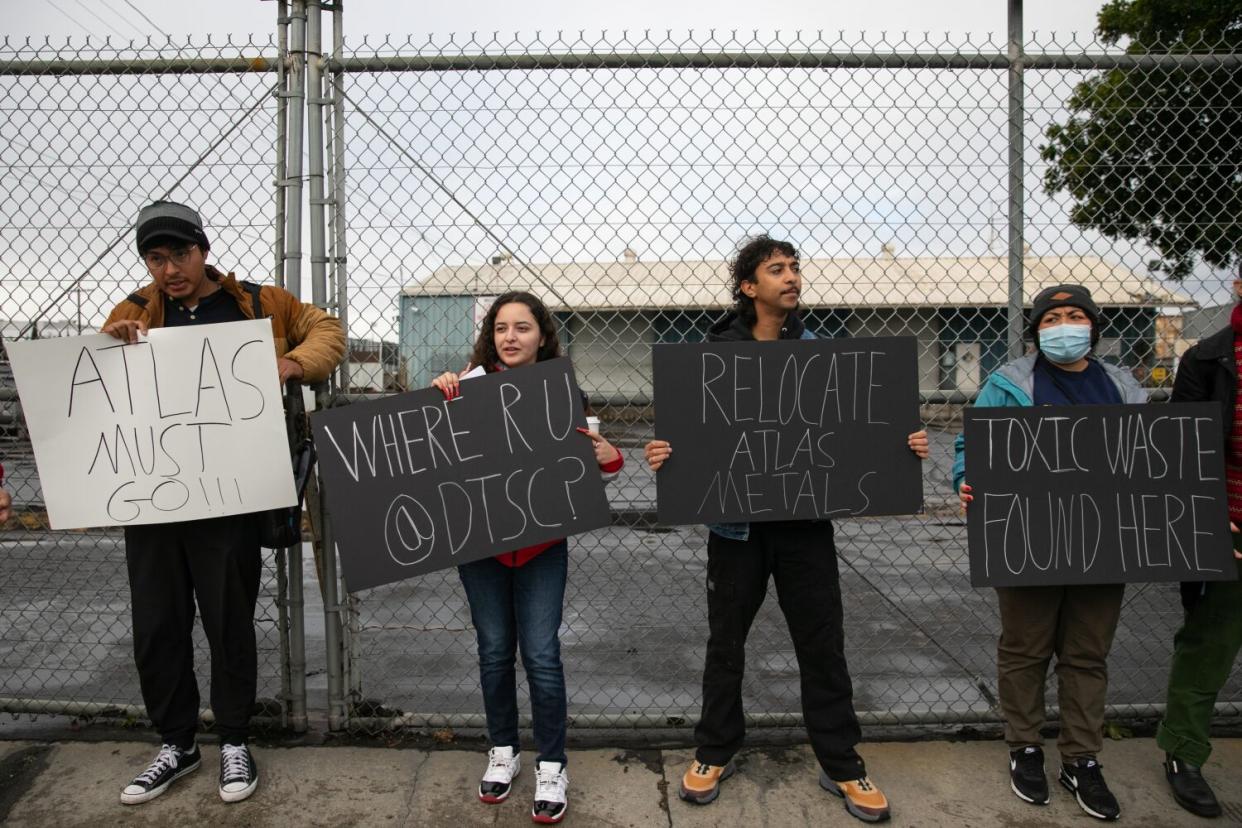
787	430
416	483
1097	494
187	423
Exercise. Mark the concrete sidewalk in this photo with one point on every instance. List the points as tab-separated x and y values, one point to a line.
929	784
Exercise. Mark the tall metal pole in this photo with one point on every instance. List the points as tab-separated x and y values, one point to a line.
315	112
1016	183
293	170
293	58
337	199
340	254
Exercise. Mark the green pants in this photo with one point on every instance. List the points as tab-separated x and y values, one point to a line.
1204	650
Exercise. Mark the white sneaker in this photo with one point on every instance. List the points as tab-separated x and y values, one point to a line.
550	784
238	774
502	766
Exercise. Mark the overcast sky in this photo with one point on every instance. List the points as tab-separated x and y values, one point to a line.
129	18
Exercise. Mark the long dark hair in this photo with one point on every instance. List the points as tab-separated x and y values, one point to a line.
751	253
485	346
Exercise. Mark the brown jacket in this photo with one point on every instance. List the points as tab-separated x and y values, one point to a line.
303	333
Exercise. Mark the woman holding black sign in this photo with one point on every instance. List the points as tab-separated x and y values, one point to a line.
1074	622
516	598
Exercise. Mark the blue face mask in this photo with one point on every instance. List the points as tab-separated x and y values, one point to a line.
1065	343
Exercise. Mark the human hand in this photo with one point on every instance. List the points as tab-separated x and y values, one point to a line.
657	452
287	369
918	444
126	330
449	385
605	452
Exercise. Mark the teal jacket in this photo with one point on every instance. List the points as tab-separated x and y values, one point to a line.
1013	384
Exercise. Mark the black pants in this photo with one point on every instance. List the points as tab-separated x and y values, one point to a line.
170	565
802	558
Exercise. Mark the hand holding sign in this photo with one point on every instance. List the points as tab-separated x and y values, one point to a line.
181	423
802	430
1096	494
430	482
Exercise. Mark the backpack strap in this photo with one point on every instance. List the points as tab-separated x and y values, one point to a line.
140	301
253	290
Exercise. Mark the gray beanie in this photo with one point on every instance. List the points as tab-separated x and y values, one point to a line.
165	220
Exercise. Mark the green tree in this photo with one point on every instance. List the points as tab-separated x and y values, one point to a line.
1155	154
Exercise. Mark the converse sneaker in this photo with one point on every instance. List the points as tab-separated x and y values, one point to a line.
1084	778
169	765
550	784
701	782
862	798
238	774
1026	775
503	765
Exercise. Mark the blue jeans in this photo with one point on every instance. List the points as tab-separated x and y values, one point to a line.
513	606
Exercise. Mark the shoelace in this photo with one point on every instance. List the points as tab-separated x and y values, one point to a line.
236	762
497	762
703	769
1090	777
864	784
547	782
164	760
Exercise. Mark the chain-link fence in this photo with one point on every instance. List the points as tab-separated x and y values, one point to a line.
612	176
88	134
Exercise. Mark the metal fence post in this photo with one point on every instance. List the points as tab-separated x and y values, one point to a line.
1016	183
315	101
293	59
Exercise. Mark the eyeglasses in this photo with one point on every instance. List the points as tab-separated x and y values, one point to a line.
158	261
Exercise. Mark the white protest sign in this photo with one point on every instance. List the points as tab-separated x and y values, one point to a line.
186	423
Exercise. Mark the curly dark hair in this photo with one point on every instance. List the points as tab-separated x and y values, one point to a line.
751	253
485	346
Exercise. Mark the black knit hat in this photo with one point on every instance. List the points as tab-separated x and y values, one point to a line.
162	221
1076	296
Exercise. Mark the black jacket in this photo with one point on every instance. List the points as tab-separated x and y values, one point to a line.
732	328
1208	372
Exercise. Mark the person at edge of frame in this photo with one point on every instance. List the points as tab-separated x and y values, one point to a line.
517	598
6	501
1206	646
1076	622
800	555
214	560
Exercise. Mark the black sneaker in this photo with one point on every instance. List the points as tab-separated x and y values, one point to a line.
169	765
1026	775
1084	778
238	774
1190	789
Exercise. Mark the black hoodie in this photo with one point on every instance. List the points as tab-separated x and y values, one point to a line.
732	328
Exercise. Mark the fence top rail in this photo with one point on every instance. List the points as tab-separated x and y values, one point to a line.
772	60
143	66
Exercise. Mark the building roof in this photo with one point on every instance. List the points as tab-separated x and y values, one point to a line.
865	282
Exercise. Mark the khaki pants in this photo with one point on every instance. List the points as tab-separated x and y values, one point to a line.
1076	624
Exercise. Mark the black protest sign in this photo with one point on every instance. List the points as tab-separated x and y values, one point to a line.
787	430
1097	494
416	483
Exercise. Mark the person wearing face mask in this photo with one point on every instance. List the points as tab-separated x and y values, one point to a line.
1205	648
1076	623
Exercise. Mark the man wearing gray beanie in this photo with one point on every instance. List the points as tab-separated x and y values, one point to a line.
214	562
